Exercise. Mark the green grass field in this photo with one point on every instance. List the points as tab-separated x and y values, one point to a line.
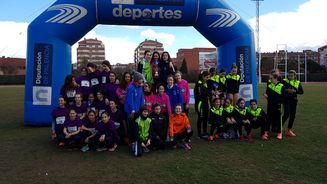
28	156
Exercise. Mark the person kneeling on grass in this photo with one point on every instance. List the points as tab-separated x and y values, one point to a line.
180	128
107	136
141	129
59	116
230	129
258	118
89	130
241	118
216	119
72	129
159	126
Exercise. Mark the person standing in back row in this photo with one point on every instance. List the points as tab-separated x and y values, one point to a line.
201	95
233	85
293	88
166	68
174	92
155	60
183	85
275	95
144	67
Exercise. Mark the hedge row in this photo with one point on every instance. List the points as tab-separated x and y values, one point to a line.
12	79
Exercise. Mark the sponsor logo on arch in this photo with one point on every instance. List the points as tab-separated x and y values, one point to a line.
227	17
68	13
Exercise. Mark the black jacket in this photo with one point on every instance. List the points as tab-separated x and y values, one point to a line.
159	125
201	95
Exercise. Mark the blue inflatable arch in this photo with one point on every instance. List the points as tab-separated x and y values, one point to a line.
51	35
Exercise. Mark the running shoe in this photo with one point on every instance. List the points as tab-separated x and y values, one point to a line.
186	146
290	133
61	144
280	136
101	149
85	148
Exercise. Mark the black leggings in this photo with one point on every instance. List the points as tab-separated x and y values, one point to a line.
108	142
76	138
289	112
274	112
185	136
218	126
259	123
202	119
185	110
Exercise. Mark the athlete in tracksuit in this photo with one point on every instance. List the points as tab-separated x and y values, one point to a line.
231	126
159	124
216	119
233	85
257	118
222	84
293	88
213	84
275	94
201	95
241	117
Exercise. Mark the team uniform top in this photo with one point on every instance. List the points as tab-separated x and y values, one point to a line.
59	115
201	95
79	109
232	83
94	79
73	125
216	115
257	113
116	117
241	114
107	129
88	124
159	125
293	84
276	93
229	112
84	85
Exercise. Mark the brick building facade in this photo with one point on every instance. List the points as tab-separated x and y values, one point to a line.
90	50
191	57
311	55
152	45
12	66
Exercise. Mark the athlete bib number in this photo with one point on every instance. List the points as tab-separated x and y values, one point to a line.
72	129
104	79
94	81
71	93
60	120
85	83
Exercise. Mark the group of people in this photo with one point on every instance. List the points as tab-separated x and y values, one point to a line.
148	108
217	101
